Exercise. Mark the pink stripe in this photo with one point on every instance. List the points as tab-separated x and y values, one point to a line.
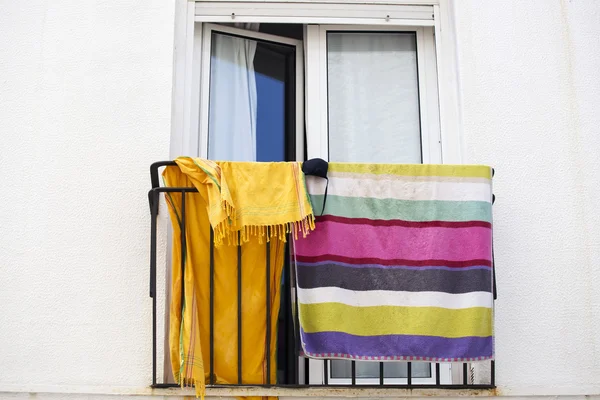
397	242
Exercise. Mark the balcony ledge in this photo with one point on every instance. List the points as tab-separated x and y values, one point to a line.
583	392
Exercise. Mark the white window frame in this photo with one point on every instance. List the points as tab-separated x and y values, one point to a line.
378	13
316	101
430	19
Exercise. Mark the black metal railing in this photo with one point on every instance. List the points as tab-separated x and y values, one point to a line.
293	367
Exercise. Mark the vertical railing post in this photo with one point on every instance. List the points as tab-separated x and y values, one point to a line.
183	247
306	370
211	343
239	307
153	195
268	296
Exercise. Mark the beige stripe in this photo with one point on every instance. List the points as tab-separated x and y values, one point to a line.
372	298
407	178
402	190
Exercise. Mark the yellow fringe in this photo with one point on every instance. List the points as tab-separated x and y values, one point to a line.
227	229
224	232
191	382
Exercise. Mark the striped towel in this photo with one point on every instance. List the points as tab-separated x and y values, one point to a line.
399	266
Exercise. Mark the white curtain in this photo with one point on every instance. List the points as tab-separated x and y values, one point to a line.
373	97
233	98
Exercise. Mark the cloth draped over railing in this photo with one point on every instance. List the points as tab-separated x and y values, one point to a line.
238	209
399	266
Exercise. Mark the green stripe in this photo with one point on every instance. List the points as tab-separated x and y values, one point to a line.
408	210
396	320
211	176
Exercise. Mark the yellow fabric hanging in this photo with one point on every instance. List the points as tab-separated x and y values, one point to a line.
253	199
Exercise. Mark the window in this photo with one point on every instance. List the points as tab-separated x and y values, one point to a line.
372	94
344	81
252	108
361	82
314	25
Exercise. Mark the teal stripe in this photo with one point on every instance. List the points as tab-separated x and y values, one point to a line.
407	210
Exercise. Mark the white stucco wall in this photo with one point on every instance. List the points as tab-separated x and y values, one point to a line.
530	93
85	107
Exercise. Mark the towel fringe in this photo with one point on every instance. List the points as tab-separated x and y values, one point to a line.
238	235
198	385
227	233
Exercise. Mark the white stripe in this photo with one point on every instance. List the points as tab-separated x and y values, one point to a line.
369	298
402	190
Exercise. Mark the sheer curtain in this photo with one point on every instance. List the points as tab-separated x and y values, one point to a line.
233	98
373	97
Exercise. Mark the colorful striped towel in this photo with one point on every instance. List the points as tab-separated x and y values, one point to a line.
399	266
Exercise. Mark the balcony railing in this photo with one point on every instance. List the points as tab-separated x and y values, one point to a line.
297	371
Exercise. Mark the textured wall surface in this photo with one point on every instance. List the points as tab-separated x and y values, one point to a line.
85	107
530	93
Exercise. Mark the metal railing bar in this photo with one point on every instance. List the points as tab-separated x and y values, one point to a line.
212	307
437	374
154	171
268	296
353	372
344	386
381	373
306	370
239	306
183	248
409	373
154	340
153	216
165	385
465	374
325	372
172	189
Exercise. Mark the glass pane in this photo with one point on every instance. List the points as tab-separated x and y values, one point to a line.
373	97
247	100
365	369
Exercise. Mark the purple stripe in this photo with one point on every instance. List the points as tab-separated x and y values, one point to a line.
397	345
316	264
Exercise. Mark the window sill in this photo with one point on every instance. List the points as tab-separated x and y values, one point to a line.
328	392
75	391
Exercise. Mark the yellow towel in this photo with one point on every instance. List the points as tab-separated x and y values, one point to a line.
250	197
261	201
